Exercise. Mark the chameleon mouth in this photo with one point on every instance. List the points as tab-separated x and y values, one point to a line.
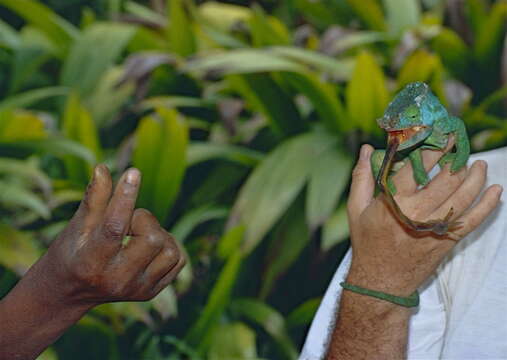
404	135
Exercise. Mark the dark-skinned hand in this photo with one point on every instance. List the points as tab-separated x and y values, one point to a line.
90	264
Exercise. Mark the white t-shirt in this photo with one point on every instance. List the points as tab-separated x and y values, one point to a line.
463	309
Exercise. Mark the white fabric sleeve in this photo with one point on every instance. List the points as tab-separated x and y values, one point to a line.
426	328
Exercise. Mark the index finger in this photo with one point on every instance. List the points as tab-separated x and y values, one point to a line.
121	206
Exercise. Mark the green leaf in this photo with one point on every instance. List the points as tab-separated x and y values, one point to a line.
195	217
93	53
420	66
233	341
265	95
269	319
9	37
14	195
337	68
80	127
366	93
109	97
26	170
20	125
490	35
275	183
173	102
181	32
217	301
241	61
328	180
452	50
323	97
160	154
203	151
143	12
18	250
223	15
267	30
30	97
287	243
56	28
230	241
94	339
303	315
48	354
29	56
402	15
336	229
57	146
370	12
182	348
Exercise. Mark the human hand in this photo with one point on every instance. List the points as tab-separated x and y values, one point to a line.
88	264
388	257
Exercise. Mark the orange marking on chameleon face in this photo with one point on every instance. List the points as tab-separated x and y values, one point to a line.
404	134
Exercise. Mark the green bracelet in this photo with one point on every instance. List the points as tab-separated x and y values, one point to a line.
411	301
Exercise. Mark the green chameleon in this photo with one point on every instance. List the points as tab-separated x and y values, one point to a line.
416	120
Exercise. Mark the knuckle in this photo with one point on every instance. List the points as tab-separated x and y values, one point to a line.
112	229
155	240
172	254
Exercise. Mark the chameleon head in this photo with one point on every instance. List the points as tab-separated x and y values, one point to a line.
410	116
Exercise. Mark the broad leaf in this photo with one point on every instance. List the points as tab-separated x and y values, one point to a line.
193	218
275	183
287	243
30	97
270	320
18	250
335	230
80	127
242	61
233	341
93	53
181	33
56	28
366	94
266	96
203	151
303	315
323	97
160	154
328	180
370	12
199	334
402	15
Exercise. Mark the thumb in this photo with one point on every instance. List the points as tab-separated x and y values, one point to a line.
363	184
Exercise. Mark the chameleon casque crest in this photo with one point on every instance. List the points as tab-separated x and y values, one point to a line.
416	120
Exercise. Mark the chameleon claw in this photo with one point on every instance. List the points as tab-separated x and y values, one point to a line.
441	227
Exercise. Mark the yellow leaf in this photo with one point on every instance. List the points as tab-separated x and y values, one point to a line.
366	93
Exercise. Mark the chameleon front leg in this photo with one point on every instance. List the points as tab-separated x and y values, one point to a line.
459	158
420	175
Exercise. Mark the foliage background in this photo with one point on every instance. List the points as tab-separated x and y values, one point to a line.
245	119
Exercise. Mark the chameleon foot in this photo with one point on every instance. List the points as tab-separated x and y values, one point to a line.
440	227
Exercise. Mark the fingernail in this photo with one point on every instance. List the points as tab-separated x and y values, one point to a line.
365	152
132	176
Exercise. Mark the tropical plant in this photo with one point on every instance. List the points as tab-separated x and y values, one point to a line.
245	122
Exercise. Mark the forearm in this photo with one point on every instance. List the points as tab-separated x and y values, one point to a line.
369	328
33	315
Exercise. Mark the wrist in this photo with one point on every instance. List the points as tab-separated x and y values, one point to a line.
379	281
46	282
